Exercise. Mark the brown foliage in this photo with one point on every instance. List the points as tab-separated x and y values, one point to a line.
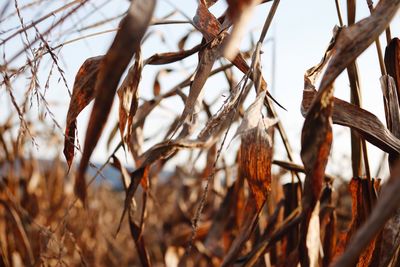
218	206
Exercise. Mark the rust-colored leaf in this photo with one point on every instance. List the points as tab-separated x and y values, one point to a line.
364	196
125	44
316	140
317	132
249	223
206	23
256	151
384	209
82	94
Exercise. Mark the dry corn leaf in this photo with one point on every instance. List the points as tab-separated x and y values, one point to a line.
240	12
128	95
183	40
364	196
221	120
138	237
209	3
390	86
194	100
256	150
206	23
171	57
316	140
364	122
83	92
392	108
251	213
220	222
392	62
352	41
125	44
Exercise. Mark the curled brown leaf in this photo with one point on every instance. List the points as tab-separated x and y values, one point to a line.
125	44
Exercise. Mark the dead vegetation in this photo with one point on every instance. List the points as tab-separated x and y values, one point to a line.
213	209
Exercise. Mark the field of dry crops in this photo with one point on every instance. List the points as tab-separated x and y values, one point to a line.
184	199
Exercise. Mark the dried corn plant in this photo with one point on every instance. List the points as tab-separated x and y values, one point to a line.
223	203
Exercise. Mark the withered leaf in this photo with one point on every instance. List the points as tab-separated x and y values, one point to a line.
298	168
256	151
136	178
157	84
240	12
392	114
206	23
128	96
352	41
392	62
83	92
171	57
125	44
220	221
126	179
316	140
364	122
364	195
250	221
209	26
136	230
208	57
220	121
167	148
182	41
209	3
